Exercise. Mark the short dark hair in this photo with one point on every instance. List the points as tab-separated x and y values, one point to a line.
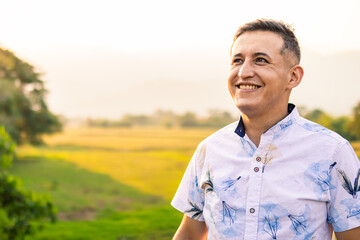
286	31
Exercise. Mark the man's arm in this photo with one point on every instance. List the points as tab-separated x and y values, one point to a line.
352	234
191	229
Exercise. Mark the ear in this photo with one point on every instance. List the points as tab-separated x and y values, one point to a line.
296	75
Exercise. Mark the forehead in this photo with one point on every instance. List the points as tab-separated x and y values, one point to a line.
258	41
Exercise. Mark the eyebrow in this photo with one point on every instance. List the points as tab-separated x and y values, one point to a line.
261	54
254	55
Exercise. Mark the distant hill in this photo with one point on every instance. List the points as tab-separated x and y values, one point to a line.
331	82
179	96
105	83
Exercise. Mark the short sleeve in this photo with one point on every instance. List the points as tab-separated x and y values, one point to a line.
344	206
189	197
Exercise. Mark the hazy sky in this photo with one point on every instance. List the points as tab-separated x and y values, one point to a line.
93	50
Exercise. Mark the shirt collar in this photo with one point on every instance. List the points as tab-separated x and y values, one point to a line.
240	129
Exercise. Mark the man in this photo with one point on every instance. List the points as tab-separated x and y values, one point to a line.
272	175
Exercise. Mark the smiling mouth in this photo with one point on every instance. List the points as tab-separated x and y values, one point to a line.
247	87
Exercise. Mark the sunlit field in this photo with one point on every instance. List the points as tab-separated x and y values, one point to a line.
111	183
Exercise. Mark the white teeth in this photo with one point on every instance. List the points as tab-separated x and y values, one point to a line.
248	87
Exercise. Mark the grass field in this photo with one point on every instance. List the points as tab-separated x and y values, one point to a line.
111	183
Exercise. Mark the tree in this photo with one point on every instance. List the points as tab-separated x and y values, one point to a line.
319	117
19	209
341	125
164	118
188	120
348	127
218	118
355	125
140	120
23	110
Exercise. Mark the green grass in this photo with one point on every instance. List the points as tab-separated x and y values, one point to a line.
75	189
109	183
93	205
155	223
143	170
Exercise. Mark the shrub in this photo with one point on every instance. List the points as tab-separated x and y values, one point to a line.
19	209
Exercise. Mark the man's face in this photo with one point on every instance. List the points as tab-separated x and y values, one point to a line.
259	73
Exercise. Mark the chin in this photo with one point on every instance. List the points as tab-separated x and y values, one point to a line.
244	108
247	108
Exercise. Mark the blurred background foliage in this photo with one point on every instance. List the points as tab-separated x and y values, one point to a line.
18	208
24	118
346	126
216	118
23	110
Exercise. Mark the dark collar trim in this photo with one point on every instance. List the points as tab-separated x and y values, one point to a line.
290	107
240	129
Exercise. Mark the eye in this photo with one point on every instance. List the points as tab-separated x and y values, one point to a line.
261	60
237	61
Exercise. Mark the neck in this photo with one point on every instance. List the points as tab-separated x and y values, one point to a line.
257	124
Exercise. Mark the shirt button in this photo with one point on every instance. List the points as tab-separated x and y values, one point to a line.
252	210
256	169
258	159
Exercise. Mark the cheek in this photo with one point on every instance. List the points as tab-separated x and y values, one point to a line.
232	76
231	90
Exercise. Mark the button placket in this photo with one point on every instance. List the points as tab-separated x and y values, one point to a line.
254	190
253	198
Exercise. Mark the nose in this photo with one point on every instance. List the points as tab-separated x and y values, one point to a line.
246	70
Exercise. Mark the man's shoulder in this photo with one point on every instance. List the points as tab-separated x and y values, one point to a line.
317	130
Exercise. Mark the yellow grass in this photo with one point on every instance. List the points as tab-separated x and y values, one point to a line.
130	139
356	146
152	160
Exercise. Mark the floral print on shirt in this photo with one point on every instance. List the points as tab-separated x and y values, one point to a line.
310	178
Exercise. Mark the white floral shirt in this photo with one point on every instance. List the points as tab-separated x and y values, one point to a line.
302	181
